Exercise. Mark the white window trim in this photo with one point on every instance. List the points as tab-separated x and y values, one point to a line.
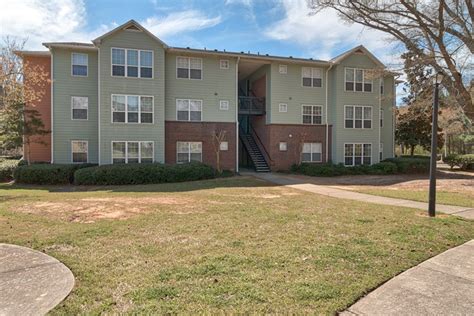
285	67
311	153
363	119
280	109
189	68
312	116
126	149
87	152
363	80
72	65
189	110
189	150
353	151
126	63
139	109
220	106
312	77
220	64
72	108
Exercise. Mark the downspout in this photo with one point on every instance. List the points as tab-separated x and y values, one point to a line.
380	112
326	111
237	115
98	108
52	106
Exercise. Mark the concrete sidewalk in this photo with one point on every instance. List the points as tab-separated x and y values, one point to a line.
31	282
299	183
442	285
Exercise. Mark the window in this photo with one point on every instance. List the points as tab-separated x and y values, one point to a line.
224	64
312	114
283	146
283	69
79	107
188	68
132	63
223	105
381	118
381	86
312	152
224	146
188	110
357	80
79	150
132	152
357	154
188	151
312	77
283	107
381	152
132	109
357	116
79	64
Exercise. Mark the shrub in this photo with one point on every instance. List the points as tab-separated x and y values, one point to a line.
142	174
47	173
466	162
410	165
451	160
7	167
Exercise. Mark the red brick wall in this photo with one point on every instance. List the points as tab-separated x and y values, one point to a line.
201	132
40	152
272	134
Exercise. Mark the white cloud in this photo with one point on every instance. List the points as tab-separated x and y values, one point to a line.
324	33
179	22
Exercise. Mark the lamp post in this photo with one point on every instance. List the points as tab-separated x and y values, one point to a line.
434	146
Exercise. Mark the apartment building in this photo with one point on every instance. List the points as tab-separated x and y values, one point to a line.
127	97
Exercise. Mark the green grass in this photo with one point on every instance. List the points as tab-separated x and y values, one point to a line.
225	245
442	197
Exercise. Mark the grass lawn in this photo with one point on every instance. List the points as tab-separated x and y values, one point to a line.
442	197
231	245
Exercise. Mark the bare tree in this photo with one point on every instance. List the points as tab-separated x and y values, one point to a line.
439	32
218	136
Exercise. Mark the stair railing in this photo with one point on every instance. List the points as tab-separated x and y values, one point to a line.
261	146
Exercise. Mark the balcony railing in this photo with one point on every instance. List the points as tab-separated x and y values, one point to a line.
252	105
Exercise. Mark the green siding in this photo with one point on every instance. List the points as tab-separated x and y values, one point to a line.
288	88
133	86
216	84
64	87
388	129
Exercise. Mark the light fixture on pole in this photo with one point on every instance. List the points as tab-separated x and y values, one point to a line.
434	145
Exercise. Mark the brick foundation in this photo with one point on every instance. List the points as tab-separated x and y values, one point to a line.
201	132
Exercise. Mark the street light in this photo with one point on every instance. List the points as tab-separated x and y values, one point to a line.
434	145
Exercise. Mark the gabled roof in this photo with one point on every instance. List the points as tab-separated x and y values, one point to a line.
133	24
360	48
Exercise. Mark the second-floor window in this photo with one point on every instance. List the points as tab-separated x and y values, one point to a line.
357	80
357	116
188	110
381	118
132	109
312	114
80	107
188	68
79	64
312	77
132	63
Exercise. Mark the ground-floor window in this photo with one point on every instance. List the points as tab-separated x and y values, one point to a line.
132	152
312	152
381	151
188	151
79	149
357	154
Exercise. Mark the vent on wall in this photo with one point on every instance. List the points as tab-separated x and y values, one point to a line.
359	51
133	28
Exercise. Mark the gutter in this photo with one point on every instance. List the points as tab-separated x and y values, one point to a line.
326	111
237	115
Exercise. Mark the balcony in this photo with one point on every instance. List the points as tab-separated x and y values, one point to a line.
251	105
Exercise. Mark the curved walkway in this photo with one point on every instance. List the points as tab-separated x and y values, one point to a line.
31	282
301	184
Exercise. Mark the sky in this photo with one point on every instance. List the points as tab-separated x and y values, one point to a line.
275	27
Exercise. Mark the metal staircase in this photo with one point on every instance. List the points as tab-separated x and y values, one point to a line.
255	154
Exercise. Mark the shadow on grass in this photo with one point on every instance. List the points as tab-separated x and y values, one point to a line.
231	182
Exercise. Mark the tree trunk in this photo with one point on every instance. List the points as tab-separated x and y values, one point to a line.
412	150
218	161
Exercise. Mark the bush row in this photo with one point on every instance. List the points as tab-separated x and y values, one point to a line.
87	174
143	174
388	166
465	162
7	167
